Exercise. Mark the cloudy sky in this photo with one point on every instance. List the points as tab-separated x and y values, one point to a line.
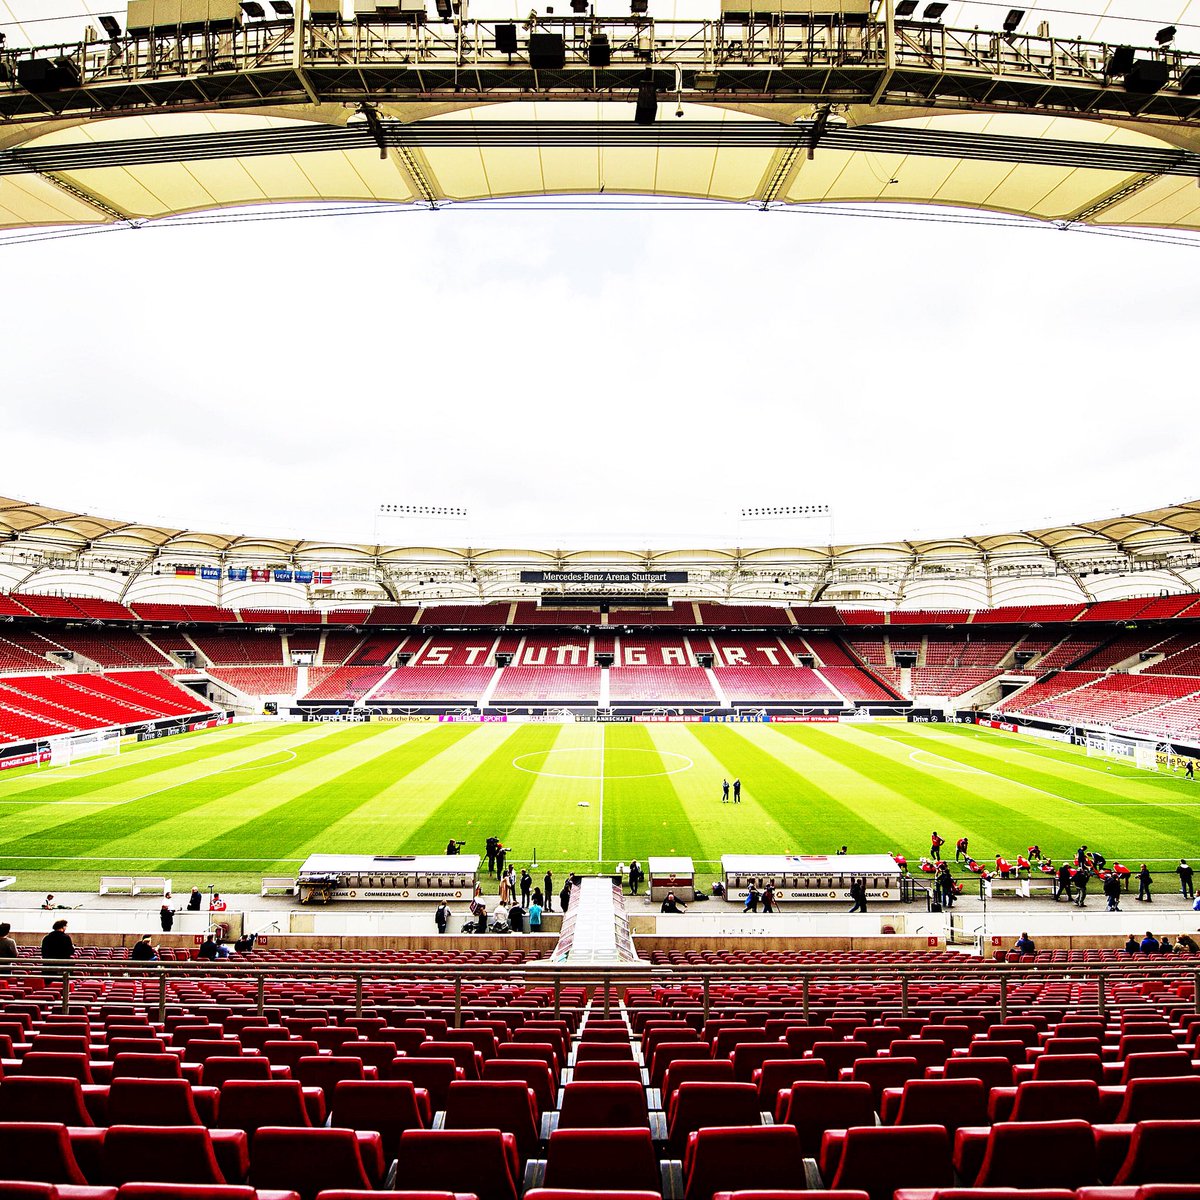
600	374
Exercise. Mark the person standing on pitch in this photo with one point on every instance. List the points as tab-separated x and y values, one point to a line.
1185	879
737	791
441	917
1144	881
724	791
548	884
935	846
490	848
858	893
526	887
960	849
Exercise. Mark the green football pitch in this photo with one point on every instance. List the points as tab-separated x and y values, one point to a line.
227	807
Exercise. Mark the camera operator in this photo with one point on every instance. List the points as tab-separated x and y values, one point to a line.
454	847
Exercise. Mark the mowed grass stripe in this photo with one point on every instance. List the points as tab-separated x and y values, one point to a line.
304	820
720	828
648	815
143	763
797	801
84	835
490	795
559	817
1123	831
44	820
423	766
956	800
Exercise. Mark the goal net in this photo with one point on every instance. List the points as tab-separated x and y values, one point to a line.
1143	755
99	743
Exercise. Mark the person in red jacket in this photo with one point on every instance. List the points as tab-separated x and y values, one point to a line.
1003	867
935	846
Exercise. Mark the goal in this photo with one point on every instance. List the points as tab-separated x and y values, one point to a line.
1143	755
97	743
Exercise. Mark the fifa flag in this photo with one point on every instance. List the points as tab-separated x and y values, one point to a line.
260	575
188	571
238	574
304	577
322	577
210	572
283	577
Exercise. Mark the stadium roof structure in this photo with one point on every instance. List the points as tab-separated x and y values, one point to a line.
46	549
381	101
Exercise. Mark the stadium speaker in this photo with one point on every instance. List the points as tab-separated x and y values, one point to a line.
1120	61
599	51
647	103
1147	76
1189	82
547	51
506	39
40	75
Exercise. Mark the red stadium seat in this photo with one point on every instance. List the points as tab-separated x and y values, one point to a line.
308	1161
718	1159
482	1162
602	1159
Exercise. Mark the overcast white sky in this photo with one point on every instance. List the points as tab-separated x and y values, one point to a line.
565	374
578	377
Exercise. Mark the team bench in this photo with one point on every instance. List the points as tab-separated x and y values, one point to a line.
134	885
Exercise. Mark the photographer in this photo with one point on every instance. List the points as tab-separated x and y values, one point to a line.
454	847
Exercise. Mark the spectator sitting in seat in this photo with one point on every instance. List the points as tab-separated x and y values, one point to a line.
1149	943
1133	946
1024	945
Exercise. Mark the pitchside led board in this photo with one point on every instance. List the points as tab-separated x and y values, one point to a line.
325	878
811	876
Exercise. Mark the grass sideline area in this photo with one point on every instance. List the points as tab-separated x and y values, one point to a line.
229	806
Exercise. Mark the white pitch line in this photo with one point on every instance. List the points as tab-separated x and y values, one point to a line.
1003	778
600	843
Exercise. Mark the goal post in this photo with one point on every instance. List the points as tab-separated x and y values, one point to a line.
75	747
1144	755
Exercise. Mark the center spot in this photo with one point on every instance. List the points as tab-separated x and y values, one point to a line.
586	763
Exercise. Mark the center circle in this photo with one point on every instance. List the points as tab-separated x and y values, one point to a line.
686	763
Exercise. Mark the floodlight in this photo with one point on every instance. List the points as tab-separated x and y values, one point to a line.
445	9
1147	76
1120	61
906	8
1014	18
1189	82
283	8
1166	35
252	8
111	26
933	12
639	8
647	103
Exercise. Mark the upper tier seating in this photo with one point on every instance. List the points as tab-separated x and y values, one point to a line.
464	614
239	649
530	613
743	615
462	685
758	684
659	685
555	685
258	681
347	683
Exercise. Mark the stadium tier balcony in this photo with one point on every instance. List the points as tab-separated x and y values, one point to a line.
548	685
950	681
529	613
110	647
1122	647
377	649
757	685
660	685
281	616
445	685
1044	690
858	685
258	681
676	614
464	614
17	653
743	615
929	616
347	683
230	648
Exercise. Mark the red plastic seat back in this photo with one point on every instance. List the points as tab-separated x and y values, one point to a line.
952	1103
606	1105
43	1098
1048	1153
38	1151
307	1161
480	1161
504	1104
159	1154
533	1074
435	1075
251	1104
814	1107
878	1160
722	1158
602	1160
387	1106
219	1071
1057	1100
151	1102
